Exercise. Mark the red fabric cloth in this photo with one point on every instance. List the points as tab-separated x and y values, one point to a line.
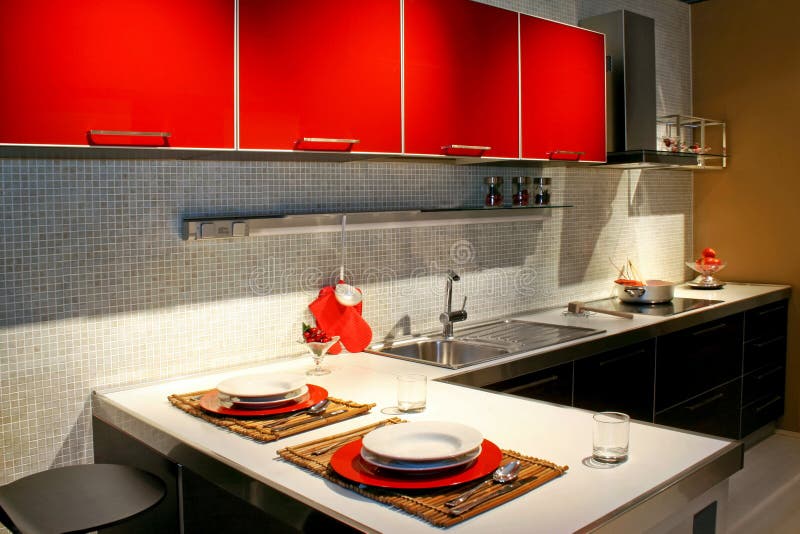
339	320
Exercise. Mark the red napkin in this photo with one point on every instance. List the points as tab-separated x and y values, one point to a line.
339	320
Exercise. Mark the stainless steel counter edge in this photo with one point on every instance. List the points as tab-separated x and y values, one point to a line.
539	360
673	494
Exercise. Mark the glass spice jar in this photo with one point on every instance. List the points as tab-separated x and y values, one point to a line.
494	191
541	191
519	188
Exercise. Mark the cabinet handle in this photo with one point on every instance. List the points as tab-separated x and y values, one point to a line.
474	148
772	371
621	357
772	310
569	155
129	133
768	403
532	384
710	329
767	343
328	140
702	403
466	147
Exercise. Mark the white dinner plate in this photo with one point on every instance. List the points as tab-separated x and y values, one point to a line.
296	395
419	467
262	386
423	441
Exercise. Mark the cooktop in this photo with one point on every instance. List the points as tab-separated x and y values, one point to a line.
675	306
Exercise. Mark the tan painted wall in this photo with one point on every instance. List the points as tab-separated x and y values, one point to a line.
746	69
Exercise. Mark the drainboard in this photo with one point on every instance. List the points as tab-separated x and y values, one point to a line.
521	336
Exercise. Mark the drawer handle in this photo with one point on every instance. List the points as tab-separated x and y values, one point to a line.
714	328
532	384
129	133
770	402
772	310
772	371
473	148
568	155
328	140
767	343
621	357
704	402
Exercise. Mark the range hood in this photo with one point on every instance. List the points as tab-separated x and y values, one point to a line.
632	126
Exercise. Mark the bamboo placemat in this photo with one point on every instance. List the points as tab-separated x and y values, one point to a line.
256	427
426	504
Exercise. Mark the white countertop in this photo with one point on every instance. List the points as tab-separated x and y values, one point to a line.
559	434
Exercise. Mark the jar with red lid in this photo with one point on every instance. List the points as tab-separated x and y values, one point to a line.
494	191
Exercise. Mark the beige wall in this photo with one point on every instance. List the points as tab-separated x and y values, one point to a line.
746	68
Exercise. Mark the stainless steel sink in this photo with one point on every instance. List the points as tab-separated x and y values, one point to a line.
444	352
481	343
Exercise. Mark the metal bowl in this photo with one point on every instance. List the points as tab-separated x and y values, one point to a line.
655	292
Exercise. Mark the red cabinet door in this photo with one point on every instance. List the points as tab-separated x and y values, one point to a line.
563	91
68	67
461	78
319	69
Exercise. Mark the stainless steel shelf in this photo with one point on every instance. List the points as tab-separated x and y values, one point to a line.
237	227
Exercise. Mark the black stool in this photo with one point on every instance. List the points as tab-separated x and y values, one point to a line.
78	498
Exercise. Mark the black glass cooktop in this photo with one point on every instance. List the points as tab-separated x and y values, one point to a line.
675	306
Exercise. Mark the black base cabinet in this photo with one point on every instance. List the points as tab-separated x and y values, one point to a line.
714	412
553	384
725	377
618	381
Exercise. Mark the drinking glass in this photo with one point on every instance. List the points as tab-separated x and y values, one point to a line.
610	435
318	351
411	392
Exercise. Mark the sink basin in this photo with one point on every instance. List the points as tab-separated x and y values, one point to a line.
443	352
481	343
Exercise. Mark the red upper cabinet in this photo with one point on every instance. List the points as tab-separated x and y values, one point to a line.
563	91
68	67
461	79
321	70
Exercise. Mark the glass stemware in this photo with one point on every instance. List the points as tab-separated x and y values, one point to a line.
318	351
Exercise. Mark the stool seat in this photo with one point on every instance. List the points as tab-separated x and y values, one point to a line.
78	498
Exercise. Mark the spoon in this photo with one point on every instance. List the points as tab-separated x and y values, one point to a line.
346	294
502	475
313	410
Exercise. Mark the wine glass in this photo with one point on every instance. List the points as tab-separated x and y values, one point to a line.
318	351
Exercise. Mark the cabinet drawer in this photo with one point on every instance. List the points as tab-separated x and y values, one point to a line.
553	384
764	351
761	412
766	322
767	381
715	412
695	360
619	380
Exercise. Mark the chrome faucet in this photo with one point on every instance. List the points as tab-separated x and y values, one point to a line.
448	317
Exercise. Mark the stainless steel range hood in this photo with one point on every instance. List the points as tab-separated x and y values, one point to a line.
631	120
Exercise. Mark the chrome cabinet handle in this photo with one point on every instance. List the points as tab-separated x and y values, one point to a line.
130	133
704	402
575	153
328	140
467	147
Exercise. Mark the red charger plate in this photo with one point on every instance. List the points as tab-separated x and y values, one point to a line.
210	402
348	463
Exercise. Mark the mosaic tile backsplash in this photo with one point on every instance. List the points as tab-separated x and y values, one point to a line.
99	289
